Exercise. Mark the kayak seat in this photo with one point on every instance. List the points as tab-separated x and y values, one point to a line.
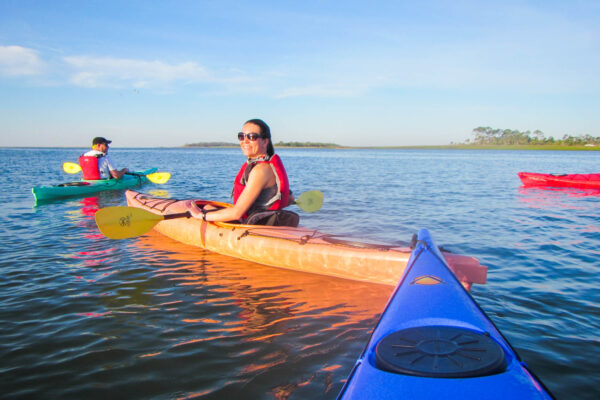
74	184
274	218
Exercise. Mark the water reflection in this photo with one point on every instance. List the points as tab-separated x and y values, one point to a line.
272	321
556	192
254	287
159	193
89	206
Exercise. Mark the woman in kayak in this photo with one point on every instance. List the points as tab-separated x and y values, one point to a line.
261	187
96	164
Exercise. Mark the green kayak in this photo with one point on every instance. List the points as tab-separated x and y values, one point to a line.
83	187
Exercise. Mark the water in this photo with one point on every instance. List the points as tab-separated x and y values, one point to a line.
83	316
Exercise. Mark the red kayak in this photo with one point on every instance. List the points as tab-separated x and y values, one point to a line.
584	181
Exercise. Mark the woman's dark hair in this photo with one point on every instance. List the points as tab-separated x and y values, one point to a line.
265	133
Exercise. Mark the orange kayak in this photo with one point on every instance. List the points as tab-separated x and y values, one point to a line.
299	249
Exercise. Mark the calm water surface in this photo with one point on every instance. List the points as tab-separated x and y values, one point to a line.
83	316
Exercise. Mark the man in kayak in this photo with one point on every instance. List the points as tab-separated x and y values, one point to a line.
96	164
261	187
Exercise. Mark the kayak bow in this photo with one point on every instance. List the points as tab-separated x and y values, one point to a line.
434	342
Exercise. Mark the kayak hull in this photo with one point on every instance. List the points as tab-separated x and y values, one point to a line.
84	187
434	341
583	181
298	248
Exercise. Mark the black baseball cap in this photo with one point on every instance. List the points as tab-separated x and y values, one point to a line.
100	140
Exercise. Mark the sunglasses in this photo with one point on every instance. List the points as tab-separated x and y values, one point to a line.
250	136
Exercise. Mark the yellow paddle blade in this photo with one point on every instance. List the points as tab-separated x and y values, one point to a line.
310	201
71	168
125	222
159	177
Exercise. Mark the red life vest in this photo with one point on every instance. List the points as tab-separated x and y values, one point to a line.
282	198
89	167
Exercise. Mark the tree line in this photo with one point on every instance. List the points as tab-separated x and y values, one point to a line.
306	144
210	144
492	136
280	144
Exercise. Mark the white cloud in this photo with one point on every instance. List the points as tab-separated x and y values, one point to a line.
116	72
17	60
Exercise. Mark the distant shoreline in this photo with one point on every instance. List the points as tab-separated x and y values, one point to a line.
425	147
339	147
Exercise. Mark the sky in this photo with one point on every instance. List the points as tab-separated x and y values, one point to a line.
355	73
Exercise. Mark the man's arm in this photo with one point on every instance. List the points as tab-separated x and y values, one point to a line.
115	173
118	174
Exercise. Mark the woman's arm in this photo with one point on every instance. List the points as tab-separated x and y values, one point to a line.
260	177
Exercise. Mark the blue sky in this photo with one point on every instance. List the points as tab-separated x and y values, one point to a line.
355	73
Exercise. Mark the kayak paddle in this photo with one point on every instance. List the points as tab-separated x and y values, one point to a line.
310	201
157	177
121	222
71	168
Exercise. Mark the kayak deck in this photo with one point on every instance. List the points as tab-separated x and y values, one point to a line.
434	341
582	181
299	248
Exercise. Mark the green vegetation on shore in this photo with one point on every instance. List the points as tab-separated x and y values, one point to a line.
486	136
517	147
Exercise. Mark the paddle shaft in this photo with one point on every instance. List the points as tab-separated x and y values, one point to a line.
186	214
155	177
121	222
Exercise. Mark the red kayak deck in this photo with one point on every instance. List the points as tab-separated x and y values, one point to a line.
584	181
